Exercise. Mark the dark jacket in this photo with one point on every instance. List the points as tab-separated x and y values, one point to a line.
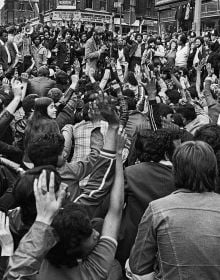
40	86
214	57
144	183
3	57
63	52
134	47
12	51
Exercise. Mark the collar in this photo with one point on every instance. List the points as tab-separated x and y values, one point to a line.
166	162
182	190
2	43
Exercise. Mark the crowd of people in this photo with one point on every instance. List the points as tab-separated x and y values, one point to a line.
110	154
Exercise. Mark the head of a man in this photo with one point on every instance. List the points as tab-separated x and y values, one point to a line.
153	145
195	167
187	113
3	35
77	237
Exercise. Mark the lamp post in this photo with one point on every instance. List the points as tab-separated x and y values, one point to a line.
197	17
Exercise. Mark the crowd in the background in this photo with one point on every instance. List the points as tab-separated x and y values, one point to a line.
110	154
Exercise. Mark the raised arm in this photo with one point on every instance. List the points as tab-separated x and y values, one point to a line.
27	259
113	218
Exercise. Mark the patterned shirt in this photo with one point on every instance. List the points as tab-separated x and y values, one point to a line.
80	134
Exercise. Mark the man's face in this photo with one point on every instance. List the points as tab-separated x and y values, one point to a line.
152	45
5	37
192	39
168	118
47	35
213	38
139	39
198	43
37	41
84	38
68	36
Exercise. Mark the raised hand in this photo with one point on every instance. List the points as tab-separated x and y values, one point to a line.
6	85
107	111
16	88
46	202
76	66
6	240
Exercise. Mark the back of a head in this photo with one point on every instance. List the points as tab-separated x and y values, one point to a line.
43	71
153	145
173	95
42	125
55	94
195	167
187	111
28	103
61	78
164	110
41	105
44	148
73	226
209	133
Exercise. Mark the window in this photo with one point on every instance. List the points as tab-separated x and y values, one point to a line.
88	4
103	5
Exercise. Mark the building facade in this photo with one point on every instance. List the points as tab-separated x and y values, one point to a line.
139	15
88	12
169	17
16	12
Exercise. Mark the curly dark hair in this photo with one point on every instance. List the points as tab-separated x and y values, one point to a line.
44	148
73	226
153	145
209	133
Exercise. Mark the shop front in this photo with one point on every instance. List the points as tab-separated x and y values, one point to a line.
88	18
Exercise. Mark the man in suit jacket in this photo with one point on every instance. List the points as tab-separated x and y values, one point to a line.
93	51
136	51
5	58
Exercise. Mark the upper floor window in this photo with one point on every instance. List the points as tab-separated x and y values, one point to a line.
103	4
89	4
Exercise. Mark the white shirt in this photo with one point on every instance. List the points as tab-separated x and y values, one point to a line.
182	56
6	48
196	57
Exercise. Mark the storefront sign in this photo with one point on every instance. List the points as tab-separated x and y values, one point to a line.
89	17
164	2
65	15
76	16
67	2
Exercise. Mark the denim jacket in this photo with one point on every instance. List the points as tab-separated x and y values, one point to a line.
178	238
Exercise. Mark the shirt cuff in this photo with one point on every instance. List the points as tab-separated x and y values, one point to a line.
108	154
110	239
